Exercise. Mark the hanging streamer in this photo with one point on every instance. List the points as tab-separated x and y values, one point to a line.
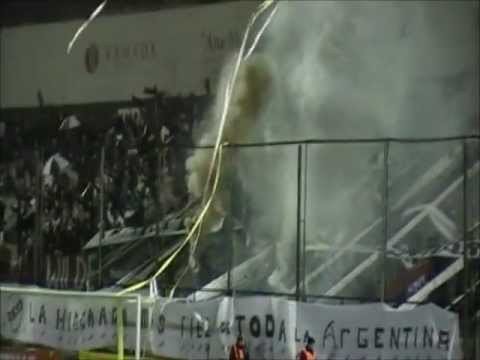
216	156
228	93
185	242
85	24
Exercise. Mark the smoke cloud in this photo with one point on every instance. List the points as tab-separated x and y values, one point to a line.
342	69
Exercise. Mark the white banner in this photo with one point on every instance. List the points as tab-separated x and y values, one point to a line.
67	323
276	329
117	56
273	328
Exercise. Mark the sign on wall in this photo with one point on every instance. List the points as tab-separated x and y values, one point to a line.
117	56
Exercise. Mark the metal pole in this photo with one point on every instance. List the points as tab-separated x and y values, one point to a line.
229	271
304	250
386	151
299	225
159	149
101	215
466	265
476	291
229	231
40	211
138	337
38	244
120	331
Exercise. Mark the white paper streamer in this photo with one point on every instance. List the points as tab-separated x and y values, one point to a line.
85	24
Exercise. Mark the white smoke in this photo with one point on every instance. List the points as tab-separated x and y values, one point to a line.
344	69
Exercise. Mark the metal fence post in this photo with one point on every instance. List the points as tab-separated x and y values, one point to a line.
101	216
38	248
386	153
228	225
476	290
159	165
138	335
304	237
299	225
232	261
466	264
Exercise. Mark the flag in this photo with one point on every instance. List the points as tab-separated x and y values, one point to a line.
63	165
70	122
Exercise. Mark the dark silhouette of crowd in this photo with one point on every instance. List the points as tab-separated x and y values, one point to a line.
50	181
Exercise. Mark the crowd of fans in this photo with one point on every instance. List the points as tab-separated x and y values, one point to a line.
51	184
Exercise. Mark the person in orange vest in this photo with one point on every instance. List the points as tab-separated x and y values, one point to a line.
238	351
308	353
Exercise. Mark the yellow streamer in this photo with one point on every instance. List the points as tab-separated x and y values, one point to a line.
189	236
216	156
230	85
228	93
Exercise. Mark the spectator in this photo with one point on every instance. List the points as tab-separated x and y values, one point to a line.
239	351
141	178
308	353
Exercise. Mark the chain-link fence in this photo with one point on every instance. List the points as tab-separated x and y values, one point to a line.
339	221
